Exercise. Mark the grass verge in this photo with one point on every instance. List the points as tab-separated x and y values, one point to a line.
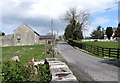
26	53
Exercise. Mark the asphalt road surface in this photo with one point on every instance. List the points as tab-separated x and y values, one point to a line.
90	67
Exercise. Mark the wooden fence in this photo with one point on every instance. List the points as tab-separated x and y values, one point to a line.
97	50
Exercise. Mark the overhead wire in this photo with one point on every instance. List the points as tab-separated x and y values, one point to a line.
106	9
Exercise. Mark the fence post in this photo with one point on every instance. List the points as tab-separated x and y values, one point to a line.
109	52
89	48
94	49
81	46
98	50
84	46
103	52
118	54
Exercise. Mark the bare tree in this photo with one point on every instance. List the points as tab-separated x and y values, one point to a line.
80	16
71	14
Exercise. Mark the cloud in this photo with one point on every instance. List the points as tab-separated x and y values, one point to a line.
51	8
39	13
40	24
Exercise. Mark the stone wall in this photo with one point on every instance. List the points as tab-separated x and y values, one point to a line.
7	40
60	72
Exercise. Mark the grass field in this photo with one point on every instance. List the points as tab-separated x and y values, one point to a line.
26	52
104	44
14	71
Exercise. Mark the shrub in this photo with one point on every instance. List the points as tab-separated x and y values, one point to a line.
18	72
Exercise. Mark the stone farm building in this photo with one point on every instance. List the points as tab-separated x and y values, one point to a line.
24	35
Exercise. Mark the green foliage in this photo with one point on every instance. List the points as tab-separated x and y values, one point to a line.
109	32
74	43
15	72
117	31
77	21
68	31
18	72
92	46
100	44
78	32
73	31
2	33
98	33
44	74
60	37
103	44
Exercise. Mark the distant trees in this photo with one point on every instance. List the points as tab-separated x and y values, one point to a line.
60	37
109	32
77	21
98	33
117	31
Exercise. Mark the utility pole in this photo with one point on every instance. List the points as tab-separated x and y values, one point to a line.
52	38
52	29
57	33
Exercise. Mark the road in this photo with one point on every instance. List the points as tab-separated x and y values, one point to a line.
90	67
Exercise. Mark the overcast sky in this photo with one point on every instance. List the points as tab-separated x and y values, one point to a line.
38	14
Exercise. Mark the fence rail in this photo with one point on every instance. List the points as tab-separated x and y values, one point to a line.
97	50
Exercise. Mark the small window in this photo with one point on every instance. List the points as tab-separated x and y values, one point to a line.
18	40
